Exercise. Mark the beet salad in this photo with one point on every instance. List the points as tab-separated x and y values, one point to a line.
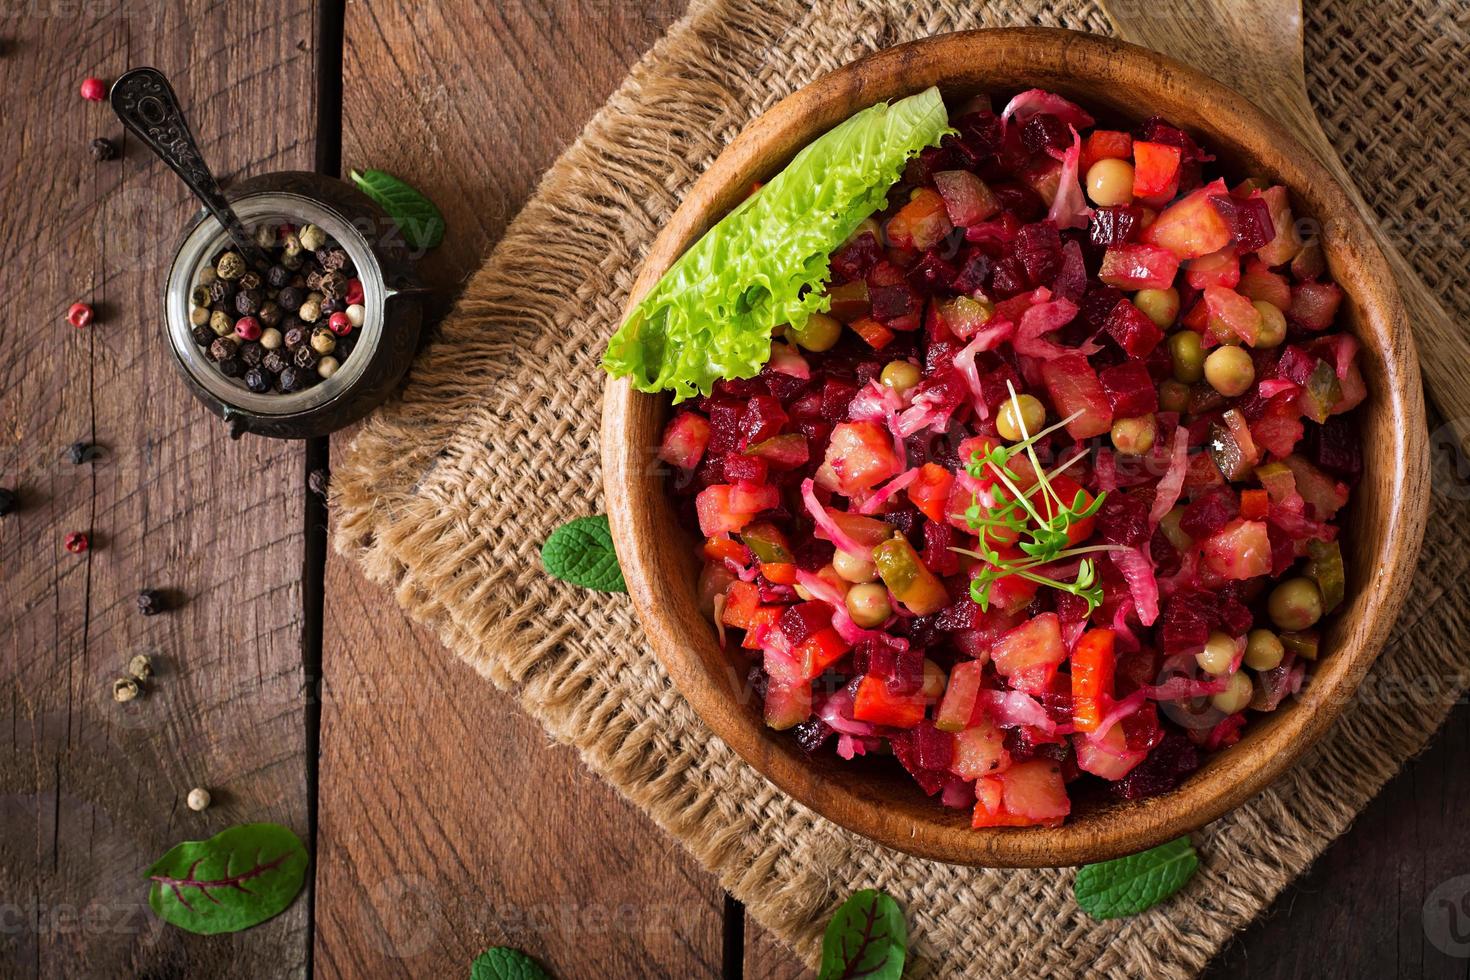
1017	455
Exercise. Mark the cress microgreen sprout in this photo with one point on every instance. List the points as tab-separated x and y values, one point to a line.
1011	515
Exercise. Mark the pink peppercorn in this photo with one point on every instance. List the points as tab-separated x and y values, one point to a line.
93	89
79	315
354	292
340	324
76	542
247	328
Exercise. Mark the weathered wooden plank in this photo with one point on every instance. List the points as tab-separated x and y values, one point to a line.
92	791
448	823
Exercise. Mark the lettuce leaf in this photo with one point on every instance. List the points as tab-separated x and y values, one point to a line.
712	313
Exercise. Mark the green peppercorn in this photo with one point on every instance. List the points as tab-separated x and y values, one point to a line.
231	265
199	316
293	261
221	323
311	238
291	247
207	276
199	295
265	235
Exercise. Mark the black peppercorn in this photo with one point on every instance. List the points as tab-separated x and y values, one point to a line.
270	314
250	280
221	291
330	306
291	298
221	349
151	602
83	452
247	302
291	379
333	285
331	259
345	346
278	277
203	336
274	361
251	353
7	502
258	380
103	149
305	358
231	367
296	337
314	280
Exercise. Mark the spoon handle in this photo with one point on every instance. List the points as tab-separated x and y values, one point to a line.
148	108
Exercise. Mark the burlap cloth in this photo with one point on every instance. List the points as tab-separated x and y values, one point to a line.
446	495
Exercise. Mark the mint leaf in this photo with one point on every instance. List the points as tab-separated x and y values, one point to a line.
237	879
416	216
581	552
1132	884
867	939
504	963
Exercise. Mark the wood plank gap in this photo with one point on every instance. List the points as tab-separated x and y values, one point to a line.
330	17
733	953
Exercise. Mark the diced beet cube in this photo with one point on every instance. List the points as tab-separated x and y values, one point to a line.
1115	225
994	385
856	259
893	302
1130	389
1185	625
974	271
1156	129
1334	446
933	273
737	389
724	426
1232	616
906	751
1038	247
936	748
738	466
963	615
1296	364
1123	519
1133	330
907	676
813	553
1249	220
1209	513
1045	132
980	131
763	418
1020	200
909	522
811	733
1008	278
803	619
1097	304
938	539
836	396
1165	768
945	389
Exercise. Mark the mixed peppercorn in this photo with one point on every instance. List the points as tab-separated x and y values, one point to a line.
287	325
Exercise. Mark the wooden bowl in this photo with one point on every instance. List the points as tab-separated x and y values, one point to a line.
1382	528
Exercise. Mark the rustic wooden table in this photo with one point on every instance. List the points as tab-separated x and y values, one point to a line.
441	819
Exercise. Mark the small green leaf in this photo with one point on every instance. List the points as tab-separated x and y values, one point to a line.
581	552
1132	884
237	879
867	939
504	963
416	216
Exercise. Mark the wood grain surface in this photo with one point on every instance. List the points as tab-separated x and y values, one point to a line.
92	791
448	822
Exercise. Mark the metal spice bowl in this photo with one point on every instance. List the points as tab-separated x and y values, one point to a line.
392	301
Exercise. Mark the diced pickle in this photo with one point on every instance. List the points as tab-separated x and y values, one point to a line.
1227	453
766	542
1303	644
1324	566
907	578
1322	391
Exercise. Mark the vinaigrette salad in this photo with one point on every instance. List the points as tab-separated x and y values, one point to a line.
1032	481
